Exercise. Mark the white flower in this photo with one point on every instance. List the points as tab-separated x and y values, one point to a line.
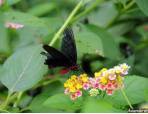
111	71
117	69
112	76
94	92
124	66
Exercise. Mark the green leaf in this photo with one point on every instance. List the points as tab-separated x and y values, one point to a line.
23	69
109	48
4	41
34	37
36	108
12	2
103	14
121	29
135	87
88	43
23	18
146	94
143	6
13	109
62	101
42	9
142	31
93	105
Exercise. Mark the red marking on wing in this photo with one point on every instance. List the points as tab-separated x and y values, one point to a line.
64	71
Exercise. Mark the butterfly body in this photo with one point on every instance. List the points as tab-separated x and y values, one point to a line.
66	58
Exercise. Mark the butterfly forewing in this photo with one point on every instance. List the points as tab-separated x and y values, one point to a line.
69	46
55	58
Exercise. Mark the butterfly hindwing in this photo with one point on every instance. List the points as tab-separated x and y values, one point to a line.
69	46
55	58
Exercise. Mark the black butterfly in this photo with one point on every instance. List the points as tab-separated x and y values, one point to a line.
67	57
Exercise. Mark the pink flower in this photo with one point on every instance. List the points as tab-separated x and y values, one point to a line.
102	87
97	80
109	86
90	84
73	96
78	93
86	86
109	92
67	91
116	87
112	76
1	2
124	71
96	85
15	26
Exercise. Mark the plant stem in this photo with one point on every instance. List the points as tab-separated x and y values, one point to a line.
18	98
120	13
87	10
126	98
4	105
57	35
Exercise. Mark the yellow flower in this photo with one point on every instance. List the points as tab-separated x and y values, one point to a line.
72	89
83	75
97	74
73	77
85	79
78	86
119	79
104	80
103	69
65	85
105	73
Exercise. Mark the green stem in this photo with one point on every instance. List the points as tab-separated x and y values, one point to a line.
4	105
95	4
45	83
120	13
18	98
126	98
57	35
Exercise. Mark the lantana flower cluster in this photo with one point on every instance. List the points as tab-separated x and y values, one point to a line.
107	80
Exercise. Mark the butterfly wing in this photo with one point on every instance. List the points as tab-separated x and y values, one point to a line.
55	58
69	46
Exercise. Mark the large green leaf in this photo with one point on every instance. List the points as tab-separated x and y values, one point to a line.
109	46
135	88
93	105
40	99
12	2
23	18
103	14
42	9
143	5
62	101
4	41
23	69
88	42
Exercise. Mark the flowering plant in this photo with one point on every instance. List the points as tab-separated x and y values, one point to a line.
108	80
